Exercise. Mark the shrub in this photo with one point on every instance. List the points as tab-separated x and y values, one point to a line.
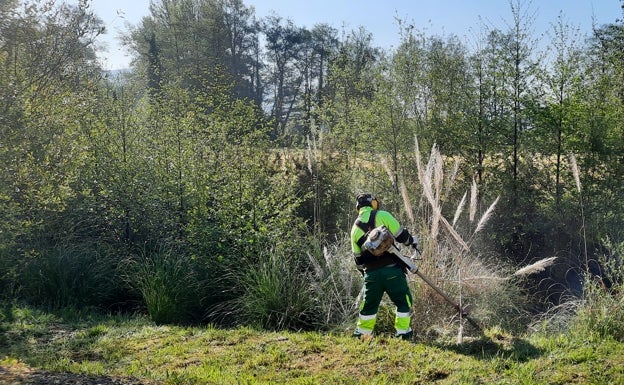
336	284
596	313
273	294
68	276
454	256
600	313
167	283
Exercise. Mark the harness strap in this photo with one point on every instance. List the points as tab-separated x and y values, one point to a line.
366	227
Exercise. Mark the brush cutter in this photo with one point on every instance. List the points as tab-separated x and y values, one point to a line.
411	266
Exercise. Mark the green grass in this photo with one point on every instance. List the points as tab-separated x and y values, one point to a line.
120	346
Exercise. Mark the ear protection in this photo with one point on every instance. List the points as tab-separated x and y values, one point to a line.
366	199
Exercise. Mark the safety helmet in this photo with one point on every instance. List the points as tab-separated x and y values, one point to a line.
366	199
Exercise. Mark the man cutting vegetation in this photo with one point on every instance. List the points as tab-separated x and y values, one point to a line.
373	232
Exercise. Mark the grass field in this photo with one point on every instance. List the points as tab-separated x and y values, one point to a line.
36	347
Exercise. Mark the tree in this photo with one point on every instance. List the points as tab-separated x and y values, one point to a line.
48	77
319	47
350	89
284	46
562	83
189	40
522	69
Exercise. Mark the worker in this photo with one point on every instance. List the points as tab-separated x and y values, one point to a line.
383	273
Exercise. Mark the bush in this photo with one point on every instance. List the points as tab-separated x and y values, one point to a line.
167	283
68	276
601	311
336	284
597	313
600	314
455	256
273	294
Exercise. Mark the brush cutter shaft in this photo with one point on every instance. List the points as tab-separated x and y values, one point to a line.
409	262
439	291
448	299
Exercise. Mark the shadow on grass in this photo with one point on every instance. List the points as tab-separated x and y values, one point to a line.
486	348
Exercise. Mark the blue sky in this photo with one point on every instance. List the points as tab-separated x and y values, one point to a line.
434	17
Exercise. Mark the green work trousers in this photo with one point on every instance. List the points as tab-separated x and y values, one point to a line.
390	280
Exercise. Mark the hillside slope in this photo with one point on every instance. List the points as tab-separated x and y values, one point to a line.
39	348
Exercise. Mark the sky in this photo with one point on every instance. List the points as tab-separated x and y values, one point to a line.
433	17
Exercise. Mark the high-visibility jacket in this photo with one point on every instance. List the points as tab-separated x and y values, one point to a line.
381	218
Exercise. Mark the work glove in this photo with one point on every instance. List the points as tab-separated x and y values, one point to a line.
413	241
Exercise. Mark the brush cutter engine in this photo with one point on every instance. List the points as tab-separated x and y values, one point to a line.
378	241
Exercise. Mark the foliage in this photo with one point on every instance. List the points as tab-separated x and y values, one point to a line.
335	284
68	276
271	293
599	312
232	165
454	255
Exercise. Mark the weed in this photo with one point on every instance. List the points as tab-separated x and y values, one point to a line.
272	294
68	276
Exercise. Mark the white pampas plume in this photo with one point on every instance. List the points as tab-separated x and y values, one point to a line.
309	156
486	216
438	176
459	210
575	171
473	200
535	267
386	166
406	202
454	233
453	176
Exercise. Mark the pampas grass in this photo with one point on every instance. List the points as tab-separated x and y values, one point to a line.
575	171
486	216
536	267
460	208
406	203
577	180
474	194
449	259
333	280
386	166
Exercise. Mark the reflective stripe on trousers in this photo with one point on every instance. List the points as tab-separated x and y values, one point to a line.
366	323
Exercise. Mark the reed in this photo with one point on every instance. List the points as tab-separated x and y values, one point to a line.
536	267
449	256
577	179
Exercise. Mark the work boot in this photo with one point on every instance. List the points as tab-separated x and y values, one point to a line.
363	337
406	336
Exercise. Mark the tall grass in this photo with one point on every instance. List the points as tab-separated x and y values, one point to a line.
577	180
68	276
597	315
452	256
167	282
336	283
598	312
273	292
